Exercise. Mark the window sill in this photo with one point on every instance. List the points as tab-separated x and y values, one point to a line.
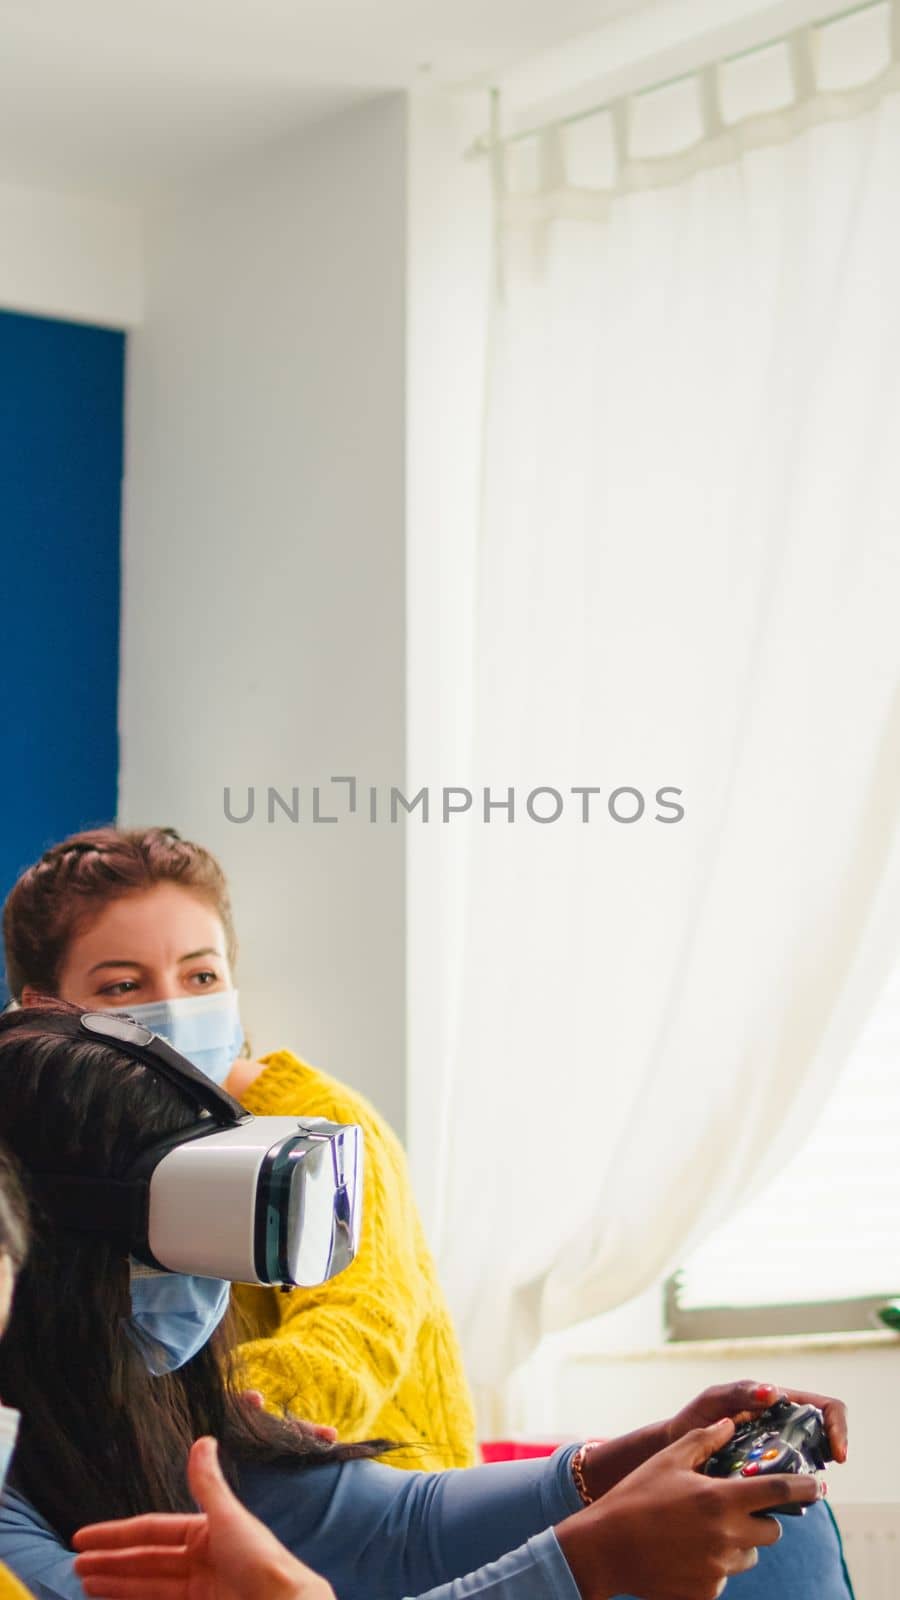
723	1349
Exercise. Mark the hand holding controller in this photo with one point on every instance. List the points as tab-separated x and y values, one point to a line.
786	1438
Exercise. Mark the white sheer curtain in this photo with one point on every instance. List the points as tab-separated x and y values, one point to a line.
689	577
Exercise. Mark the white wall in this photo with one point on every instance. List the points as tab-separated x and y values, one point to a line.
264	592
70	256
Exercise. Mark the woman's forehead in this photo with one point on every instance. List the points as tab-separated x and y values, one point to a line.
164	923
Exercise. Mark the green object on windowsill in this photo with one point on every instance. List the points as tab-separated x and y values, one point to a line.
890	1315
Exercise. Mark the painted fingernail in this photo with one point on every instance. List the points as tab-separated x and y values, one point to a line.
763	1391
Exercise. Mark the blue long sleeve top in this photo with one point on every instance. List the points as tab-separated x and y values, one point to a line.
373	1532
484	1533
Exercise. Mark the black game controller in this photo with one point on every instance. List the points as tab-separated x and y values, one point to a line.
786	1438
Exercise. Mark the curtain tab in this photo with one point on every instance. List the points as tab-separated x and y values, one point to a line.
551	161
802	47
498	194
621	119
711	102
497	149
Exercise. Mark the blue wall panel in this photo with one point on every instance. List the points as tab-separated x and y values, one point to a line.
61	404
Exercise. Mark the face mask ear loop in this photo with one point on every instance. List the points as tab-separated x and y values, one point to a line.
204	1028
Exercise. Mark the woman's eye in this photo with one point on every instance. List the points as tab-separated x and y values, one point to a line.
204	980
114	990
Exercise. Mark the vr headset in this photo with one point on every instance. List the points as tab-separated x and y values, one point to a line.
267	1200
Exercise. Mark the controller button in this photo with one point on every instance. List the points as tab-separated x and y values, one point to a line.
753	1455
751	1470
771	1455
736	1465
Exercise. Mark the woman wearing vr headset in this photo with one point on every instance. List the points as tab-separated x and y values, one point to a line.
140	919
240	1543
114	1388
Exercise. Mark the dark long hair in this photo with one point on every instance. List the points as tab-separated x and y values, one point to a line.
14	1228
100	1437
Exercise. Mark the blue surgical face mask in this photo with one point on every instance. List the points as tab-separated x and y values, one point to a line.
9	1427
205	1027
173	1315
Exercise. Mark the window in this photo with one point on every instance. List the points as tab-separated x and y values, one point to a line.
818	1250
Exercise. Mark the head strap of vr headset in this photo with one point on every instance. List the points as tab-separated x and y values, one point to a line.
117	1208
160	1057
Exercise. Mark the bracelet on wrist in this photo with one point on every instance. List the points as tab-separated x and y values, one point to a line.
577	1464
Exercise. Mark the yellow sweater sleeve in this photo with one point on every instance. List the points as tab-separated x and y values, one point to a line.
372	1352
10	1587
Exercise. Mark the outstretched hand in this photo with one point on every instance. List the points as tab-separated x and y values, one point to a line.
221	1553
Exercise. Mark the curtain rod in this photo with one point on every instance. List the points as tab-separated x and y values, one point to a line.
485	144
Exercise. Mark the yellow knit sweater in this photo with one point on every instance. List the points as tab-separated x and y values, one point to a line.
373	1352
10	1587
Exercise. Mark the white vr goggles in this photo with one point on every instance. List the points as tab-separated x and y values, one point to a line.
271	1200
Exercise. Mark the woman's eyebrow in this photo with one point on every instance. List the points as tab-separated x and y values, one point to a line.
208	951
102	964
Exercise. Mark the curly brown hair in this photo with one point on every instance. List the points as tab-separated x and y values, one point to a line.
74	880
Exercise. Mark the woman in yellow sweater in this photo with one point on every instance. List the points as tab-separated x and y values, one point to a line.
140	919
